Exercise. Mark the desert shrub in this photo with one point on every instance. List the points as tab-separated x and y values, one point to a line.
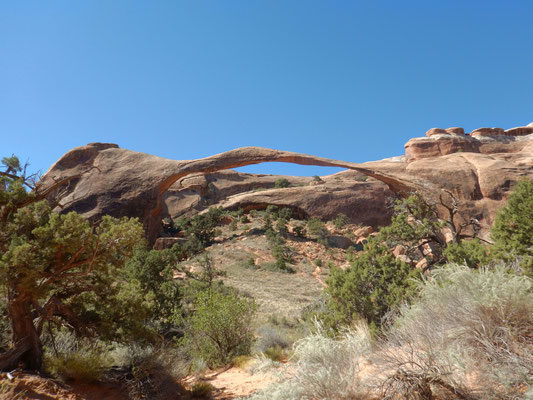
340	221
285	213
233	225
242	361
299	230
220	329
271	337
281	252
250	263
267	223
202	390
317	228
281	183
272	210
325	368
476	322
149	371
275	238
200	230
276	353
278	266
372	286
245	219
281	226
76	360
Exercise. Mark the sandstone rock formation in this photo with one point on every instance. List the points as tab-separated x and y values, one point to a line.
478	168
440	142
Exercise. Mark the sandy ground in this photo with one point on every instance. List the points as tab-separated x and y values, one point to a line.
234	382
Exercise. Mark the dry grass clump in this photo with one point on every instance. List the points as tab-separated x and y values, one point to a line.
150	372
76	360
324	368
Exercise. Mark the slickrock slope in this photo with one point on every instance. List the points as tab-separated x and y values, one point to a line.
478	168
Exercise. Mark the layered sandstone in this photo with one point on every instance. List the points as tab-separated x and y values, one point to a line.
478	168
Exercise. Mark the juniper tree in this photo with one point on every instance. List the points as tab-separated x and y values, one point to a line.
61	269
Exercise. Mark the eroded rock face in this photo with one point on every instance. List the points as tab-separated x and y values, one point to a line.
479	171
440	142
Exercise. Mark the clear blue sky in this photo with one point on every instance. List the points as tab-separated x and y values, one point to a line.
352	80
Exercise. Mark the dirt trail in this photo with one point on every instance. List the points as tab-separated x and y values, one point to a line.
235	382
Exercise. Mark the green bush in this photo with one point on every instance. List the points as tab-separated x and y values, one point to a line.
281	183
153	271
471	252
220	329
372	286
281	226
272	210
299	230
317	228
340	221
513	227
284	253
278	266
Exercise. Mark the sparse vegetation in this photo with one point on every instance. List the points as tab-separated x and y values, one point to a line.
373	286
220	329
281	183
316	227
340	221
202	390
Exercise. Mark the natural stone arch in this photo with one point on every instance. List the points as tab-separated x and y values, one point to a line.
256	155
121	182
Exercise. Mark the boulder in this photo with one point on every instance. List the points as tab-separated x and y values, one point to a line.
399	250
363	231
422	264
339	242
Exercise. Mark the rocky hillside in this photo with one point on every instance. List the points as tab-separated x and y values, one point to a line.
479	168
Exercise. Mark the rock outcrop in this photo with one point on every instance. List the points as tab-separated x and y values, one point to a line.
479	170
440	142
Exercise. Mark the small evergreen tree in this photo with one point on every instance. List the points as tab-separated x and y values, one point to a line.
513	227
374	284
60	268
